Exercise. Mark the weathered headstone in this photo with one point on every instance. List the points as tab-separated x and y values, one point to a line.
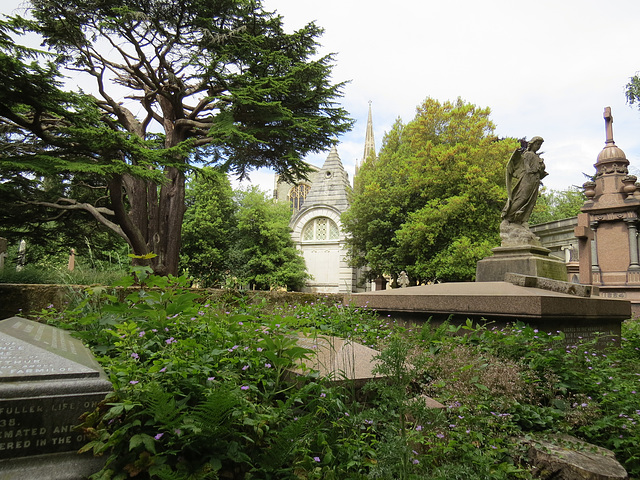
72	260
22	255
48	379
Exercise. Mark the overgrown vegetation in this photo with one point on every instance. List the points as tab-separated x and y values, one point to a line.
202	391
90	267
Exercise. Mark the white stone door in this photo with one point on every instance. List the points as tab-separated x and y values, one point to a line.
323	263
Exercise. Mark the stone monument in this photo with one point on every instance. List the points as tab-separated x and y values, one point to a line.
520	282
47	381
22	256
520	250
609	251
3	251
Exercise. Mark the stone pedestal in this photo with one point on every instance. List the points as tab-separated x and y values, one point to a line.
48	379
528	260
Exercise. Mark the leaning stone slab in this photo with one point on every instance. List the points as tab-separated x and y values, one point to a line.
339	359
568	458
48	379
342	361
551	285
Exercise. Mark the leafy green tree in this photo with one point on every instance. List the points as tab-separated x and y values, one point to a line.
557	205
175	83
264	254
430	204
632	89
209	228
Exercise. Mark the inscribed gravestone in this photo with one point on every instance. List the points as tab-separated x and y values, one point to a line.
47	381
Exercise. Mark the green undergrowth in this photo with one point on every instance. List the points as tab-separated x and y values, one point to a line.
203	391
38	274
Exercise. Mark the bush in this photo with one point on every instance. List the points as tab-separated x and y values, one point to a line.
203	391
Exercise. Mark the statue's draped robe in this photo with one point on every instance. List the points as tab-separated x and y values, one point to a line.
524	172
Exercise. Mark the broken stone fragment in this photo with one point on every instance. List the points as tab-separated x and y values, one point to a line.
564	457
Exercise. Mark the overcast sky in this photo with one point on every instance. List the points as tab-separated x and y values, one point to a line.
544	67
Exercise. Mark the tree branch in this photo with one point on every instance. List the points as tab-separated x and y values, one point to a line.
97	212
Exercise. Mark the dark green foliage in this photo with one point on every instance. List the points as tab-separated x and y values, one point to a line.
633	90
264	253
209	229
238	239
430	203
202	392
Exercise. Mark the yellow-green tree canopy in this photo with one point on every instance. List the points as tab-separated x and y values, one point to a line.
430	203
557	204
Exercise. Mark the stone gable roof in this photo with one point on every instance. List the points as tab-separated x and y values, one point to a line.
331	186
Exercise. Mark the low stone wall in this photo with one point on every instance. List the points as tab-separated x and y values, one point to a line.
28	300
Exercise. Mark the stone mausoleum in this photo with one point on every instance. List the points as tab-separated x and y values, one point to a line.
317	232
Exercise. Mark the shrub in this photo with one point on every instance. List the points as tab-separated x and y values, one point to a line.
202	390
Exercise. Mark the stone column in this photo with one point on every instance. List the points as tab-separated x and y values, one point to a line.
584	234
633	244
594	248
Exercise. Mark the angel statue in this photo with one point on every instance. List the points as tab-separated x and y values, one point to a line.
524	172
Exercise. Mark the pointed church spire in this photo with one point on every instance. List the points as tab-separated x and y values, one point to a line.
369	142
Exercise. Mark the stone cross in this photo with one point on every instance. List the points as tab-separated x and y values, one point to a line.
608	124
403	279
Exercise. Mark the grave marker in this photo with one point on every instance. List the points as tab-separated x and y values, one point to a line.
48	379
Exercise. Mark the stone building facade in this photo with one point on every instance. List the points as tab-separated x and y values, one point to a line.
316	205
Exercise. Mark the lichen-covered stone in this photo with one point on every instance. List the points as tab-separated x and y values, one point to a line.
563	457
